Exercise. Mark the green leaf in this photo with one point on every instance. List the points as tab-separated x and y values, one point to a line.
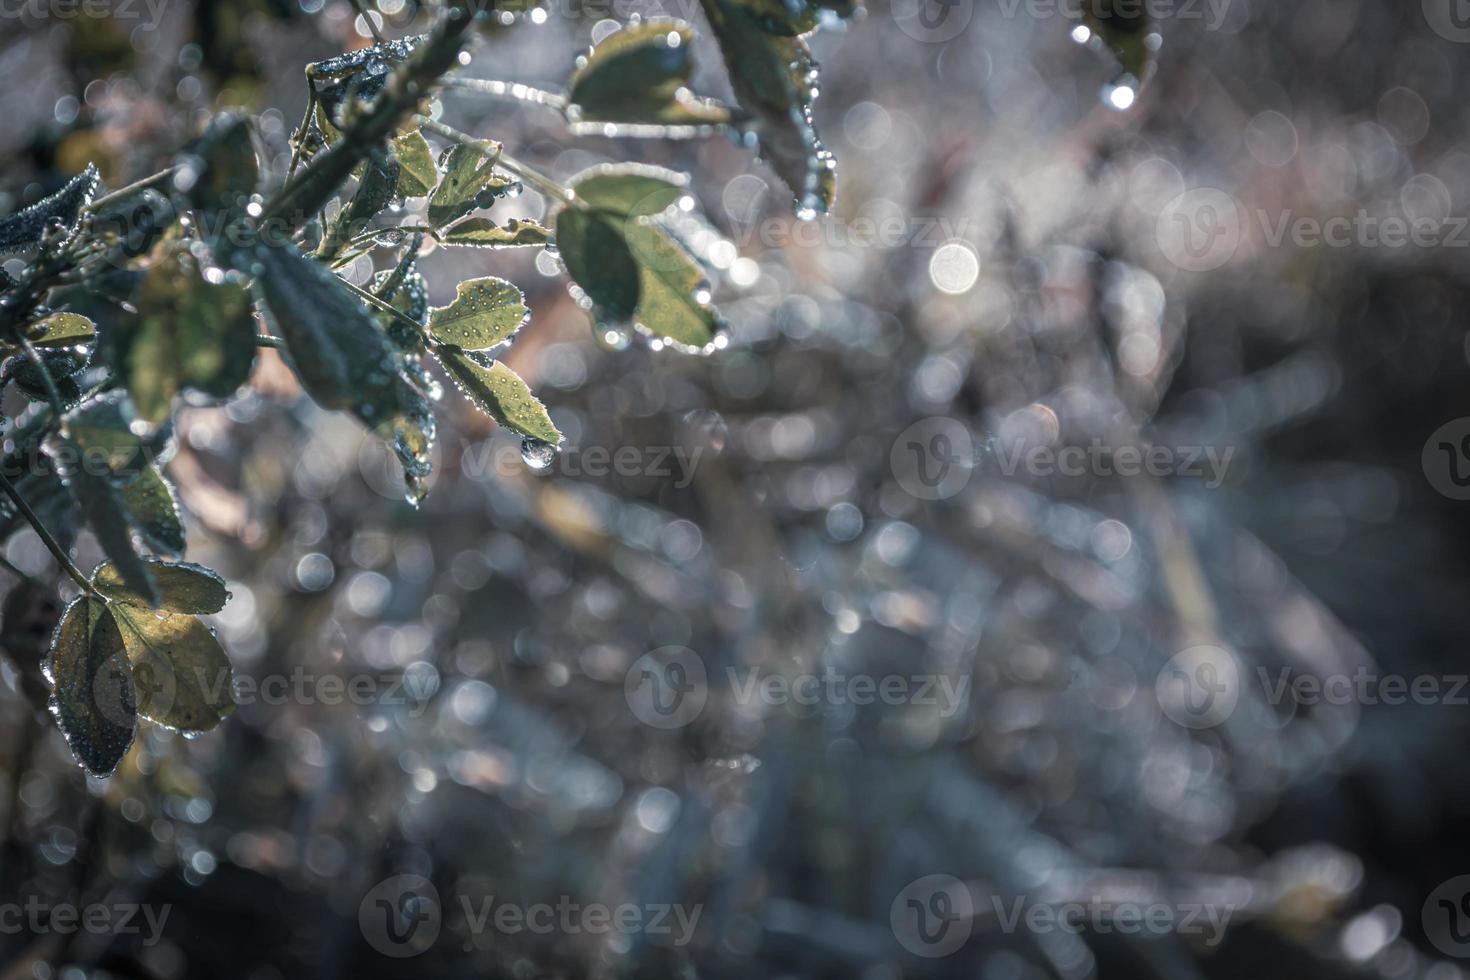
93	698
106	513
599	261
639	75
484	233
183	587
501	393
469	182
629	189
785	17
669	304
188	334
219	171
180	672
374	193
106	429
485	312
418	174
343	356
774	82
27	227
63	330
150	502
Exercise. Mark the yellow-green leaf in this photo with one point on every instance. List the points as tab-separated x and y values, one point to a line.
180	672
501	393
485	312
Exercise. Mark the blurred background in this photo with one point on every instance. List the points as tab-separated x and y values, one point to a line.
857	648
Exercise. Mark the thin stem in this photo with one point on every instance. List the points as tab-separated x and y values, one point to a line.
368	17
299	137
509	90
504	160
122	192
269	340
52	545
381	306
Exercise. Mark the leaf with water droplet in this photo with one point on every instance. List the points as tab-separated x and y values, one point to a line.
187	333
598	260
468	177
150	501
419	173
62	364
338	347
774	82
629	189
500	392
669	303
92	699
181	675
485	312
183	587
27	227
107	429
376	188
62	330
484	233
639	75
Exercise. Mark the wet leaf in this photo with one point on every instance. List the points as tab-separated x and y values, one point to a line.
774	80
598	260
417	174
181	675
375	192
93	698
484	233
485	312
629	189
219	171
107	431
188	334
670	304
63	330
639	75
1124	29
27	227
61	363
150	501
342	354
183	587
469	182
501	393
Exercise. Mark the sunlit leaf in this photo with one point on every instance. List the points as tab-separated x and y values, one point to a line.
638	75
469	182
417	174
63	330
485	312
629	189
181	675
182	587
673	301
484	233
501	393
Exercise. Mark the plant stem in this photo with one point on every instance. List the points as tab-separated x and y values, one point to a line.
269	340
509	90
133	188
52	545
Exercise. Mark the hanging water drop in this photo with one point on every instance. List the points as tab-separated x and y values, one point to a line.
537	453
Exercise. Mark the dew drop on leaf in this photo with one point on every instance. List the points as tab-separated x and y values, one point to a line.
538	454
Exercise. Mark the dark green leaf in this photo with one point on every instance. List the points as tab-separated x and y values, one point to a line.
110	436
93	698
1125	32
26	228
501	393
219	171
638	75
774	82
599	261
485	312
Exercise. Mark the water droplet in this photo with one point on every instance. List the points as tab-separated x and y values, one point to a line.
537	453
